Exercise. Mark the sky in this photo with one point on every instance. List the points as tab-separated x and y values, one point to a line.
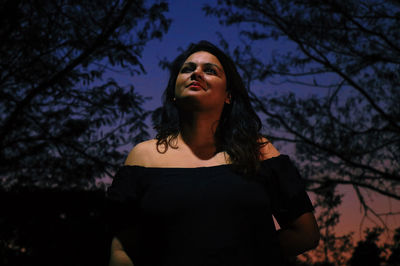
189	24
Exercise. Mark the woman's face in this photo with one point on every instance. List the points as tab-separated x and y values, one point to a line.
201	83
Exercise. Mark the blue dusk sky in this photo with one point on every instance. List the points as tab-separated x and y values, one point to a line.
189	24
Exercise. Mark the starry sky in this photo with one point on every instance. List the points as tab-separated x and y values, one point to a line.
189	24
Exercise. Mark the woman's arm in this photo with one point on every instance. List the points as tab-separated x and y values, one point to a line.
118	255
300	235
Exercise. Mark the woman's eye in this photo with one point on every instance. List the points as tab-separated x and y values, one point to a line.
210	70
186	70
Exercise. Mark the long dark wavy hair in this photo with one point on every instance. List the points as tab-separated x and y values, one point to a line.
238	131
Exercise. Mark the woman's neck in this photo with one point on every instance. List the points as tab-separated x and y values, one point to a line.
197	133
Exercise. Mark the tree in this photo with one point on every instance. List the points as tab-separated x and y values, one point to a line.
394	258
68	230
367	251
348	52
333	249
63	122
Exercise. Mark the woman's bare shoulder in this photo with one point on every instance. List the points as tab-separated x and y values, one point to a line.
141	154
267	149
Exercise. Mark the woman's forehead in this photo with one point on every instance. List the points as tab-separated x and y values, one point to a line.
203	57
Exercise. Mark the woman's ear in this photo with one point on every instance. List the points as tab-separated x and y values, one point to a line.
228	99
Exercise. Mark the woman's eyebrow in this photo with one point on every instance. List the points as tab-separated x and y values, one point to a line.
190	63
205	64
211	64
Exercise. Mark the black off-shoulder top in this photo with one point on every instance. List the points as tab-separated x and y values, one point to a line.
205	215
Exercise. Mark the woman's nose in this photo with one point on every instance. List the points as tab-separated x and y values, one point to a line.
197	74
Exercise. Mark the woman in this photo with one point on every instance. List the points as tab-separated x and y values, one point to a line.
204	191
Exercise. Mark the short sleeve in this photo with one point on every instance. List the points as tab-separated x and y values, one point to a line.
289	200
122	199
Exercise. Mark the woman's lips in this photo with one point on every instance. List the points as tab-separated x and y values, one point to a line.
195	85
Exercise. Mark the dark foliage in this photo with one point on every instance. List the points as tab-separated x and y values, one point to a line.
63	122
333	249
367	251
348	52
394	248
53	227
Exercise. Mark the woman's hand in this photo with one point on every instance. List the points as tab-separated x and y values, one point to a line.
267	150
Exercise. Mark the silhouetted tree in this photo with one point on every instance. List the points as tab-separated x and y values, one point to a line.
367	251
348	52
394	258
63	122
53	227
333	249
